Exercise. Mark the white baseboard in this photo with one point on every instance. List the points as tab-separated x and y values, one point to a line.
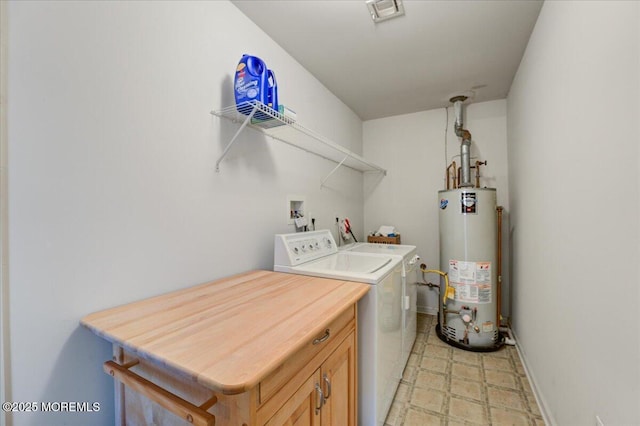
544	408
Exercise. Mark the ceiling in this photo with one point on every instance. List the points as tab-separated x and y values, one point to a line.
415	62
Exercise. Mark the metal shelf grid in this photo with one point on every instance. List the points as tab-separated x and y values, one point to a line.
264	119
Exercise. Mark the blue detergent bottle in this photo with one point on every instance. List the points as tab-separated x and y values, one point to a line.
272	100
250	83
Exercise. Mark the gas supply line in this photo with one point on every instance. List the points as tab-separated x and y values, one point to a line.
449	292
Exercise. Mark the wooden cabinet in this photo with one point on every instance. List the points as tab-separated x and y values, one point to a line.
328	396
316	385
303	407
339	385
260	348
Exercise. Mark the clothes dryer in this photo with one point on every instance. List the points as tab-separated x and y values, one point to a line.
410	263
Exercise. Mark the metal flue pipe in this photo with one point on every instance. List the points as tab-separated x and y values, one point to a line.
457	109
465	157
465	143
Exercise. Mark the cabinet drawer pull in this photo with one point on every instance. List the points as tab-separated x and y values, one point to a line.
324	338
319	397
328	382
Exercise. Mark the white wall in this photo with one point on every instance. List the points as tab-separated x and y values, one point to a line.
573	175
4	312
113	195
412	148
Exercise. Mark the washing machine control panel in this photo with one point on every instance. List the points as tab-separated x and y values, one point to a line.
301	247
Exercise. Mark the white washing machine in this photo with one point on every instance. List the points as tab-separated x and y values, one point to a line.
410	262
379	311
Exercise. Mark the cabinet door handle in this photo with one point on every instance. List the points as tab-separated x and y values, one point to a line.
328	382
324	338
321	398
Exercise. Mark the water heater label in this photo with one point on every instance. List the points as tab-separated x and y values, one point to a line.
468	203
487	327
471	280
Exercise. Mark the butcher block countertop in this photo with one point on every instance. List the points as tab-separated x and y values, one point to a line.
228	334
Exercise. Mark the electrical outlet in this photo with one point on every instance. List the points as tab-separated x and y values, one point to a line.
598	421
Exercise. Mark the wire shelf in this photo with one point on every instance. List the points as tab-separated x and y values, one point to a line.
285	129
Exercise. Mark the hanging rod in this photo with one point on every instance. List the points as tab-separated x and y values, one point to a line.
196	415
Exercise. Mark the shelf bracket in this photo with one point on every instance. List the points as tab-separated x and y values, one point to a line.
233	139
333	171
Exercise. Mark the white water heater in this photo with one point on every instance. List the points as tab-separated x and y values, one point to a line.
469	303
468	252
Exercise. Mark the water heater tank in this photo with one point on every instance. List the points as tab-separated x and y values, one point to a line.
468	253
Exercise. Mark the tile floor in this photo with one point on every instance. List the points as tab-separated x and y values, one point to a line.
444	385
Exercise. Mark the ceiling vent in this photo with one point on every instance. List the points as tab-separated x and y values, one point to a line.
381	10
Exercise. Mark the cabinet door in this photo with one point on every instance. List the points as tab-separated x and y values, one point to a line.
338	375
303	407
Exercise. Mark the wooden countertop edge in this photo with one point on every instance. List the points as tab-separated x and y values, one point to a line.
232	389
358	291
